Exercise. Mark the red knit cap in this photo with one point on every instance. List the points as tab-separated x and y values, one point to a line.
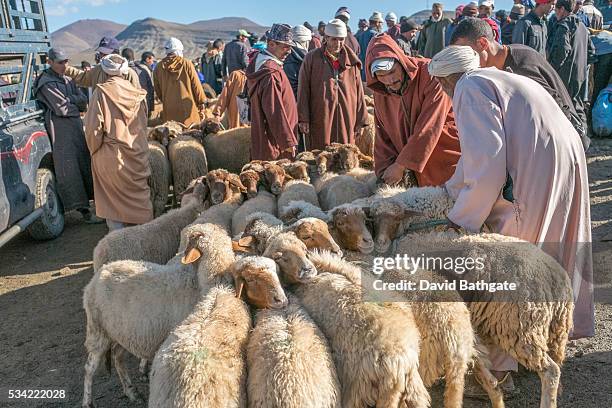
542	1
494	27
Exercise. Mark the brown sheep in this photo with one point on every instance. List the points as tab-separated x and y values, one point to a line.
274	178
297	170
250	179
366	137
348	227
222	185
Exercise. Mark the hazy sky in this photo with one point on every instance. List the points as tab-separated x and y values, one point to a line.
265	12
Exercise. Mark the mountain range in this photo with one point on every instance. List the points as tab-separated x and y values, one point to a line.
80	38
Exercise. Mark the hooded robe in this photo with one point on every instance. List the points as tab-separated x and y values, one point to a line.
116	130
178	87
63	103
331	101
273	109
416	129
227	102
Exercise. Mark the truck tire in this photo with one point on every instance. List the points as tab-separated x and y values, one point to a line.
51	223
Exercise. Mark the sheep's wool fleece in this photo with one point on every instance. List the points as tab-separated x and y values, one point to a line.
524	134
116	133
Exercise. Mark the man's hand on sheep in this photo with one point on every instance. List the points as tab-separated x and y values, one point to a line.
304	128
394	174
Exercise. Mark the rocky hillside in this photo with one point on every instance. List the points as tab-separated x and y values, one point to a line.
150	34
84	34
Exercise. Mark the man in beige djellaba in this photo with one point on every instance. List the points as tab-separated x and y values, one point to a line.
116	133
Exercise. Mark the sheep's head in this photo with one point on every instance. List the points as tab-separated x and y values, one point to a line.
250	179
223	185
314	233
298	170
323	161
166	132
256	278
348	226
388	215
291	255
211	125
275	177
197	191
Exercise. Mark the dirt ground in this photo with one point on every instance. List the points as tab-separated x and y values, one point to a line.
42	323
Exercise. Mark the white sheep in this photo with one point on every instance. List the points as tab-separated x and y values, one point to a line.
134	305
296	190
537	317
375	347
263	202
156	241
201	363
336	189
230	149
188	161
160	178
289	362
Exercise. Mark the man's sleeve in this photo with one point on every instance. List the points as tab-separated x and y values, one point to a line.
60	104
560	47
482	172
427	130
362	109
422	40
303	95
384	151
224	64
81	78
519	34
276	114
245	57
157	84
94	124
196	87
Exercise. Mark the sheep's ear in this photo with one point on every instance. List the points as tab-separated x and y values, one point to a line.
288	177
235	181
191	255
244	244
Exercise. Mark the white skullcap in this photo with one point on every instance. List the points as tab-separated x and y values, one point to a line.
382	64
174	46
452	60
376	16
113	68
486	3
336	28
301	34
391	17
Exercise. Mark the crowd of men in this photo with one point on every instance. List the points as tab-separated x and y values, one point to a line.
490	107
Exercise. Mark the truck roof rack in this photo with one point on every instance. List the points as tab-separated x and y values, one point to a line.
24	40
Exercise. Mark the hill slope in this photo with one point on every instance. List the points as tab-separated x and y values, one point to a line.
83	34
150	34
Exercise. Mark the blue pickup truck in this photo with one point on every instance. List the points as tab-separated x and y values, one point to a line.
28	196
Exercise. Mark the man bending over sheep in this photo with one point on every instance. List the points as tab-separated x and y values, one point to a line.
116	133
415	126
511	130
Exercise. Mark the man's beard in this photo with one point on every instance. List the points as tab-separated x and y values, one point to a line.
436	19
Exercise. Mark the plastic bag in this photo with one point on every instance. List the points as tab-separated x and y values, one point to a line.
602	113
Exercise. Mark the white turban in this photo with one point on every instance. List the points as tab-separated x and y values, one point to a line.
336	28
301	34
174	46
391	17
113	68
452	60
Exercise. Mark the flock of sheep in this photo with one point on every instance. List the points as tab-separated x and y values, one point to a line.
245	295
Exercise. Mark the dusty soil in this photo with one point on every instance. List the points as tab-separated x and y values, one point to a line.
42	324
